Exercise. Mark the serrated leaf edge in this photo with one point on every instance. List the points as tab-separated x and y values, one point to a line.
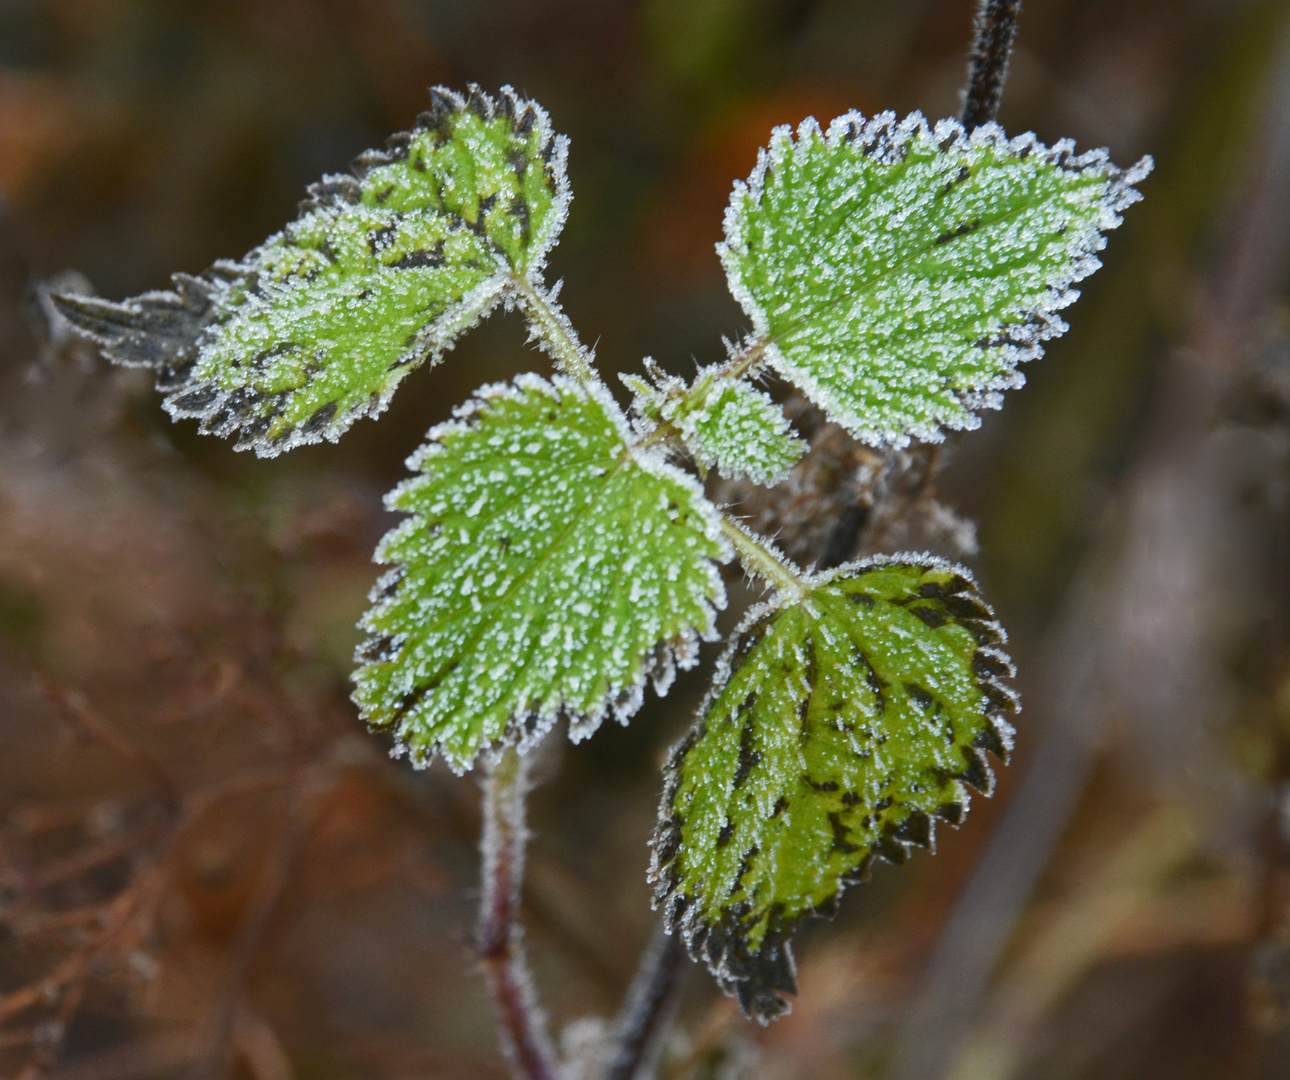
659	667
224	412
728	963
883	138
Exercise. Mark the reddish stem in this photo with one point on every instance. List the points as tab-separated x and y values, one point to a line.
523	1028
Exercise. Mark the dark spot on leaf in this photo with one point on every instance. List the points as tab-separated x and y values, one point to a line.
197	400
380	237
322	416
990	739
916	830
921	697
933	618
892	850
279	349
966	229
985	633
977	774
953	813
749	758
840	834
423	258
440	675
988	666
727	831
397	145
519	209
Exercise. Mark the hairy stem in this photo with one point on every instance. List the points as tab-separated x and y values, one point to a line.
996	31
551	327
761	560
647	1011
523	1027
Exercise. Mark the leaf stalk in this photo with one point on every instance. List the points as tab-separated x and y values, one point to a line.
765	562
552	328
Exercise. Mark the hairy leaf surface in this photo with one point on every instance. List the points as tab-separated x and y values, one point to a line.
837	729
546	569
741	431
384	268
900	273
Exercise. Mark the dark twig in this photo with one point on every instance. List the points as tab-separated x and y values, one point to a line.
524	1033
647	1011
996	30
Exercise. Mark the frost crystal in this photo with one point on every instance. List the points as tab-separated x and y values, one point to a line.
545	570
898	273
740	430
385	266
837	729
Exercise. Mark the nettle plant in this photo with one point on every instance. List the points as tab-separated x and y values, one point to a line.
559	553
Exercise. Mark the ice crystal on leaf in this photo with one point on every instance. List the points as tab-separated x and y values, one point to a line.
898	273
385	266
546	569
837	729
740	430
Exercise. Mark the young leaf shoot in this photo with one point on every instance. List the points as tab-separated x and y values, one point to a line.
739	430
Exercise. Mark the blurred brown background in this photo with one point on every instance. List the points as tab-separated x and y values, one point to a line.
207	868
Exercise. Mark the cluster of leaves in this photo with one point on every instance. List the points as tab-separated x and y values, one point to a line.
554	558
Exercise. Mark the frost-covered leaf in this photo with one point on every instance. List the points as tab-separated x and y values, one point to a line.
740	430
385	266
653	396
837	729
546	569
899	273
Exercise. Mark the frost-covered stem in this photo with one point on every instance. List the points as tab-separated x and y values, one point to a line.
552	328
523	1027
758	559
647	1012
996	31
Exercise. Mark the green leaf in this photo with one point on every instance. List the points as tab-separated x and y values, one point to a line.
382	270
546	569
898	274
837	730
723	421
741	431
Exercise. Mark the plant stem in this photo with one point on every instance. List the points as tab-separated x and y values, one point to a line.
647	1011
552	328
761	560
523	1028
996	31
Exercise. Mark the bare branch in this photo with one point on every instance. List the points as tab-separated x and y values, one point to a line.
996	31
